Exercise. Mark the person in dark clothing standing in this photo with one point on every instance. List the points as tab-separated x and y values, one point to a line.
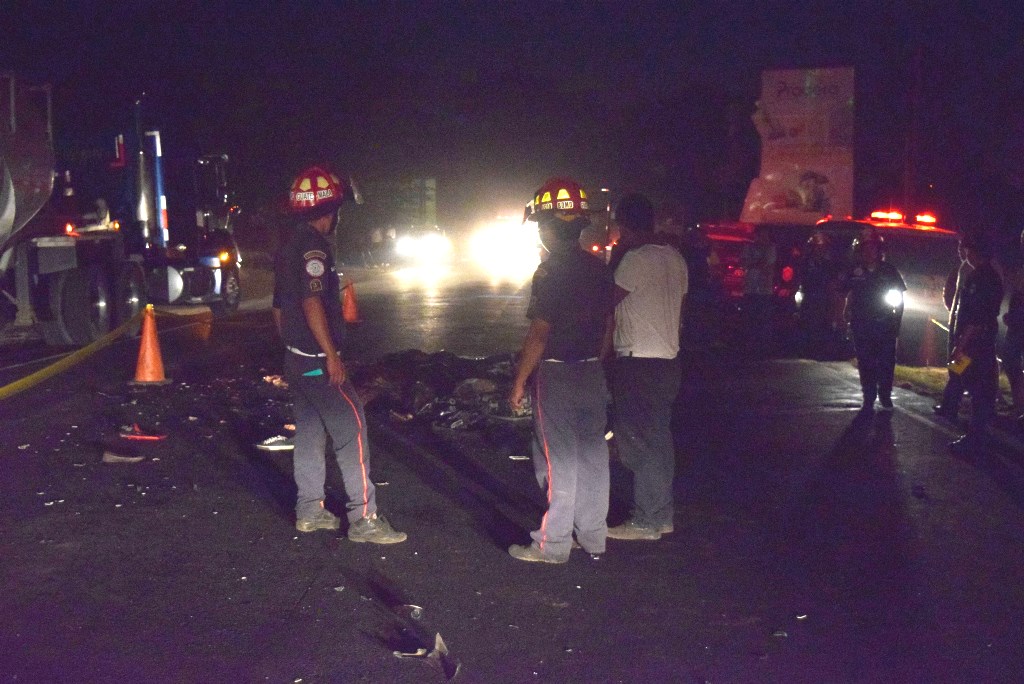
874	308
953	392
307	311
1013	348
650	290
819	284
570	305
980	296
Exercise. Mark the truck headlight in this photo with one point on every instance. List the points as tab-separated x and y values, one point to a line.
894	298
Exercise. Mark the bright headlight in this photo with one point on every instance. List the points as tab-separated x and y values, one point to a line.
894	298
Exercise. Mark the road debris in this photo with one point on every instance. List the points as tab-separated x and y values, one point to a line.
111	457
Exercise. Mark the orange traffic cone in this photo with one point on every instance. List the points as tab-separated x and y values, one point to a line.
150	368
349	308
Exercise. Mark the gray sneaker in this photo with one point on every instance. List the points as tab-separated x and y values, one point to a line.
376	530
321	520
633	530
532	554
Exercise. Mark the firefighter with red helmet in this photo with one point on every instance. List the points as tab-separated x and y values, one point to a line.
570	307
308	313
874	307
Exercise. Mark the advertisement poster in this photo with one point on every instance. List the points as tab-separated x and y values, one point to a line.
805	121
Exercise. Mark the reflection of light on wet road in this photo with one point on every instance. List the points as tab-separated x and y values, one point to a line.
425	277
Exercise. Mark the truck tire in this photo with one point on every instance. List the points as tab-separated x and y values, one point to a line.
90	314
230	294
129	294
68	300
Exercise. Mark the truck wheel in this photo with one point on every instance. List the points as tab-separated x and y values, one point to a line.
129	294
88	308
230	294
54	331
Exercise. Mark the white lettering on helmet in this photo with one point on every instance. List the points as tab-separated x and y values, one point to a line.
304	196
566	204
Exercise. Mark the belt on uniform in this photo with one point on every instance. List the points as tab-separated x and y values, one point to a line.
293	350
593	358
632	355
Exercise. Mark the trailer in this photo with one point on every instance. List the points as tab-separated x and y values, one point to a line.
84	250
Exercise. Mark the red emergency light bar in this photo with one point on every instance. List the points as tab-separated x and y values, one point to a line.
887	216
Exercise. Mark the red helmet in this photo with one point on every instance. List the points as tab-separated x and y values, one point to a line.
316	188
563	197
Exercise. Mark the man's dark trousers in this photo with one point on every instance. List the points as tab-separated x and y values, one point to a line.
643	392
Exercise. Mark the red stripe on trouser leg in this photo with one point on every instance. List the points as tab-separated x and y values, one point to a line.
547	458
359	443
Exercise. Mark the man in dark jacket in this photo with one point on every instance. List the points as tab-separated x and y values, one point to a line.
979	297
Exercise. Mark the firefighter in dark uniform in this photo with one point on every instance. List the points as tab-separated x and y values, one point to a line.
874	308
307	310
569	311
979	297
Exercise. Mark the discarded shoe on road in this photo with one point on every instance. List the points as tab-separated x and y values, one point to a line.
277	443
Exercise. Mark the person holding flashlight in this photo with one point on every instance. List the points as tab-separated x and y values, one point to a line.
874	308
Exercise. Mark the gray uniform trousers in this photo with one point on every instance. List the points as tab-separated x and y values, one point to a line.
570	455
643	392
322	410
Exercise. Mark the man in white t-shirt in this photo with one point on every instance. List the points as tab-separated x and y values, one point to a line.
650	288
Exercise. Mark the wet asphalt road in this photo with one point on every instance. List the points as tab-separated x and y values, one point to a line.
808	547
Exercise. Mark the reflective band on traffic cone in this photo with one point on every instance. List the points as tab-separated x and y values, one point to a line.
150	368
349	308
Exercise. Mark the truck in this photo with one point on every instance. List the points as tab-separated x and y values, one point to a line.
805	187
83	251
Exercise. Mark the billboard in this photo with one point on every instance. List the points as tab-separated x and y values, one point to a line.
805	121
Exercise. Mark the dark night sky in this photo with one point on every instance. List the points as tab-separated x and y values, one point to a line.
493	97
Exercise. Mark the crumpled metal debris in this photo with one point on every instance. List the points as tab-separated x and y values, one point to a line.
449	665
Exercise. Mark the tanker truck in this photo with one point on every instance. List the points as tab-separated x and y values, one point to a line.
84	249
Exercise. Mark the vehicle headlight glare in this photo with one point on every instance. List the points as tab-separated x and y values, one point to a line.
894	298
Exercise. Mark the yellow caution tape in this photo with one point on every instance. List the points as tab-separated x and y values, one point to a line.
69	360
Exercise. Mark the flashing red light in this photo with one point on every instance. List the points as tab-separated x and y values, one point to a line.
69	229
595	248
925	218
787	274
823	219
887	216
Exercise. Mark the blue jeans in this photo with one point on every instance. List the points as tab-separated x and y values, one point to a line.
643	392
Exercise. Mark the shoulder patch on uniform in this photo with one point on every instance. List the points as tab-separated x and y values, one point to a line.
314	254
315	267
315	286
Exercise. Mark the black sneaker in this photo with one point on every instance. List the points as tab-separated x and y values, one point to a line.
886	403
376	530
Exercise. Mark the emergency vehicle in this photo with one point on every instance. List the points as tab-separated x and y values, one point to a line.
924	253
